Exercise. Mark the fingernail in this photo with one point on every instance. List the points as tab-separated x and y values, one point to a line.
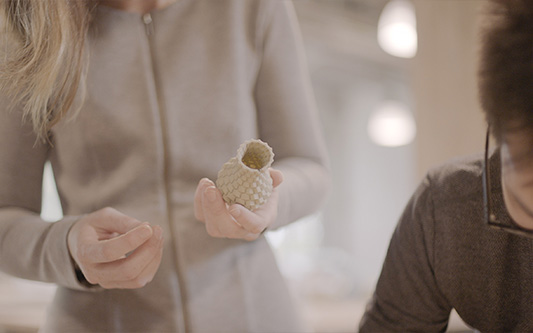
211	194
235	212
146	231
145	281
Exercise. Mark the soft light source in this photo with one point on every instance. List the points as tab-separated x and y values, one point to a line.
51	206
391	125
397	29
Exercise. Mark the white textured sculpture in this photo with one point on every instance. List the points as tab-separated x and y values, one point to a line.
245	178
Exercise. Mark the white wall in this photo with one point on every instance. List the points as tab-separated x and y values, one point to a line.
450	121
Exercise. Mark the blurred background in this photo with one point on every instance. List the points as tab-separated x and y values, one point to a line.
395	83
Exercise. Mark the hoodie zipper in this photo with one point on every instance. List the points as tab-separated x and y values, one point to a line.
148	24
160	113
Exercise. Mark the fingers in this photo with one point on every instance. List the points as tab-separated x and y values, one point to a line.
111	220
143	279
115	248
237	222
198	198
213	204
219	223
257	221
136	270
249	221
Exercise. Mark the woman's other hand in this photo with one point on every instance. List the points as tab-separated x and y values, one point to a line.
234	221
114	250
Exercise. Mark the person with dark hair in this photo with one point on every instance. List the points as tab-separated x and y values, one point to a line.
465	239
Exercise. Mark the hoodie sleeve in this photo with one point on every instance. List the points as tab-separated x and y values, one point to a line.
30	248
287	113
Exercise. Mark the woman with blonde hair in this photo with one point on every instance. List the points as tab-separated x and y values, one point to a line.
137	104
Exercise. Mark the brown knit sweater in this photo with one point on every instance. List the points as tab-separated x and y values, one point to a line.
443	256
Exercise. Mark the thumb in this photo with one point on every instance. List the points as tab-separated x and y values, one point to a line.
117	248
110	220
277	177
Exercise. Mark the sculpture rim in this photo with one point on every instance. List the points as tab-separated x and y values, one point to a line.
244	147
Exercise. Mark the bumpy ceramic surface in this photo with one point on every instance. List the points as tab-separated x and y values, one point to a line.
245	178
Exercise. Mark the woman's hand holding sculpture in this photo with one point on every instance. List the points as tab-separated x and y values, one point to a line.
114	250
234	221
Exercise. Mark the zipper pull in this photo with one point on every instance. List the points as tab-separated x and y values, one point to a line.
148	23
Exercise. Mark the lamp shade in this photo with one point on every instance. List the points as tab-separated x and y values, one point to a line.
391	125
397	33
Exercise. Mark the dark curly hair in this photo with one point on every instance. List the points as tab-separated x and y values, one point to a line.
506	66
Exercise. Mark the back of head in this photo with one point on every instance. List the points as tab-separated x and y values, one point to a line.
506	67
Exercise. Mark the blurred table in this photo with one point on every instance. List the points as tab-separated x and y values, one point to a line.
339	316
23	309
23	304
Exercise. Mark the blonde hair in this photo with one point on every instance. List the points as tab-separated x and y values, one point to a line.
43	73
